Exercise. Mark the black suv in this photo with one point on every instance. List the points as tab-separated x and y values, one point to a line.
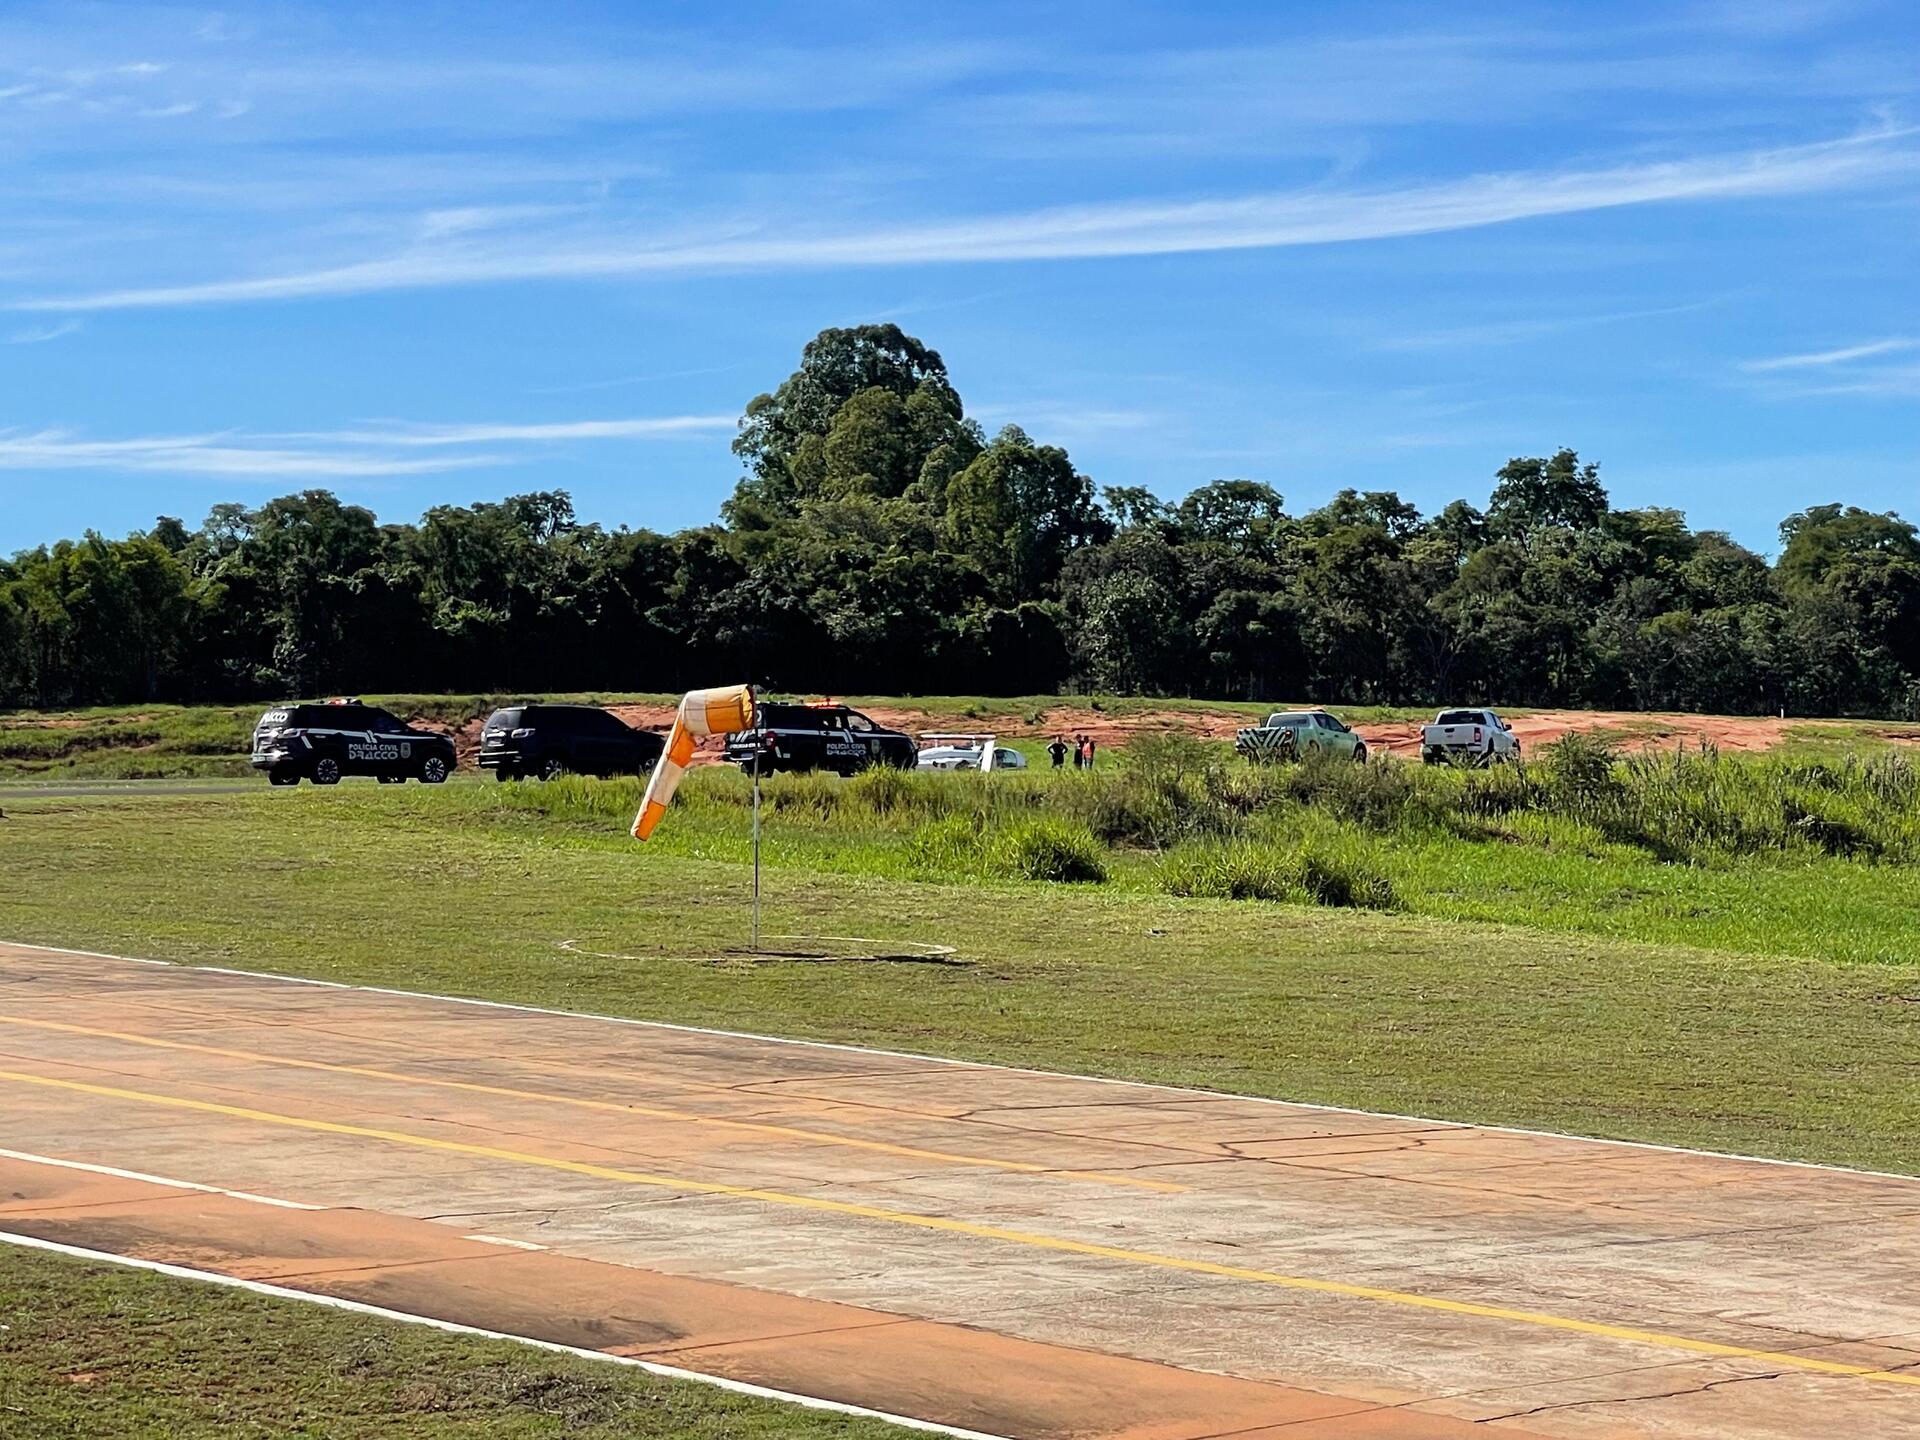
818	737
548	740
345	737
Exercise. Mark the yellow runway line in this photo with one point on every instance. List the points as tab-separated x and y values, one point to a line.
784	1132
1776	1358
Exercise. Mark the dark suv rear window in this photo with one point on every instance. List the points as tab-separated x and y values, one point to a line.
799	717
568	719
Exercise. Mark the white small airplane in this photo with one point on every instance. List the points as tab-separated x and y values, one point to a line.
967	752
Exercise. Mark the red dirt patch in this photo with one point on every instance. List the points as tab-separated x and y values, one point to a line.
1630	730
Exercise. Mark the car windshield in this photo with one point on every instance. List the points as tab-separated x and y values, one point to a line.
1460	717
1292	719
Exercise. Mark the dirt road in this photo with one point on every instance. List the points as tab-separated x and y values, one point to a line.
1631	730
1013	1253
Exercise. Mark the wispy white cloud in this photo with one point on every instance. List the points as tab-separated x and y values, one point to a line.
484	433
1302	217
1883	382
1514	332
390	448
1048	420
40	334
621	381
207	455
1817	359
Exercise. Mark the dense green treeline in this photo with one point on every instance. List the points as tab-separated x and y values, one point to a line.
881	542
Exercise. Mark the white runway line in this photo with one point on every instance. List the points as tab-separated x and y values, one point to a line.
172	1184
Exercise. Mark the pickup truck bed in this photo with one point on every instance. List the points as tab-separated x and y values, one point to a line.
1476	736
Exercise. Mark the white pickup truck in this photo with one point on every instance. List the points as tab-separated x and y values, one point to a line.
1472	737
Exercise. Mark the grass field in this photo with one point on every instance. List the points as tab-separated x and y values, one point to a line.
97	1350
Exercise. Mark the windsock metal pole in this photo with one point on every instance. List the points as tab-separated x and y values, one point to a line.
756	852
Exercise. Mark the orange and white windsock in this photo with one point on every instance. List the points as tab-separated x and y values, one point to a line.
702	713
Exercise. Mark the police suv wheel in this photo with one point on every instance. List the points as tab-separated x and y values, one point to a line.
1360	754
551	768
326	771
433	770
283	777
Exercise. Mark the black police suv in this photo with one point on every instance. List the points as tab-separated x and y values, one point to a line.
550	740
321	743
819	736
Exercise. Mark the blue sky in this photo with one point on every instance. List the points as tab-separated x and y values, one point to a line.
424	254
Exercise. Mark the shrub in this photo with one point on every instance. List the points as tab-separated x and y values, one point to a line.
950	845
1239	871
1579	771
1335	875
882	790
1312	871
1382	796
1045	849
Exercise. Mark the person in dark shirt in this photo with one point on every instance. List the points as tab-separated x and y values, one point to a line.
1057	751
1079	752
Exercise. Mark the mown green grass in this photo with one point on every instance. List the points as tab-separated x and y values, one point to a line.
91	1349
472	889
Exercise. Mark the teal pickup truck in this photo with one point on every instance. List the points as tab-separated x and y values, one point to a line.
1289	734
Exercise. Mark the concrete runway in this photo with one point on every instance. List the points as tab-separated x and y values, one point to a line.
1013	1253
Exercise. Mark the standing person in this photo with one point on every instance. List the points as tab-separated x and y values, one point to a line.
1090	743
1079	752
1057	752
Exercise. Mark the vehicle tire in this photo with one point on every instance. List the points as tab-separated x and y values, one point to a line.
503	774
1429	757
433	770
1360	752
551	768
326	771
283	777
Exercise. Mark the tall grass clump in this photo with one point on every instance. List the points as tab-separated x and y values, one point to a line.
1312	871
1382	795
1048	849
951	846
1699	805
